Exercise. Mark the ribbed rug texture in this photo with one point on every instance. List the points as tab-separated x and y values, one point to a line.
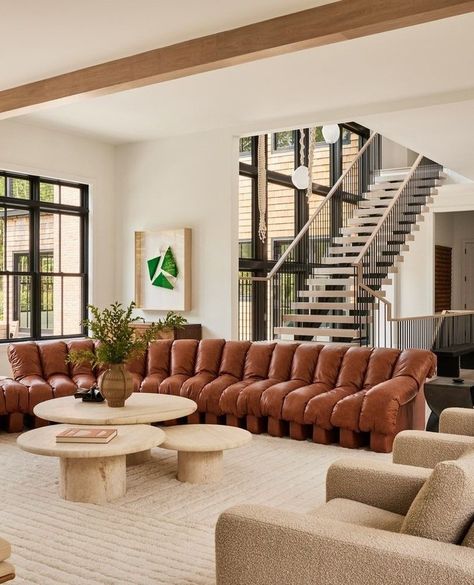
162	531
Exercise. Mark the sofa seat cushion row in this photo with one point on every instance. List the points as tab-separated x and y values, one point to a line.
324	388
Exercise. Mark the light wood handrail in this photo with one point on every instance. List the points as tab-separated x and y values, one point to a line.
307	225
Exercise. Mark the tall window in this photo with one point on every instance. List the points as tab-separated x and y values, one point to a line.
43	257
288	209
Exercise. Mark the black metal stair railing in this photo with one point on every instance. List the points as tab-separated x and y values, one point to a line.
279	290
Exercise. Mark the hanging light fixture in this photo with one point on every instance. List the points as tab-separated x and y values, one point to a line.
331	133
300	176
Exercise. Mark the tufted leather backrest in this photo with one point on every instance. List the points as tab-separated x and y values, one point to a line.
353	368
257	360
53	355
304	362
158	358
282	359
209	356
24	359
233	358
329	362
380	367
183	357
415	363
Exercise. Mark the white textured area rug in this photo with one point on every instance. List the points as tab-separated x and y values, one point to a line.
162	531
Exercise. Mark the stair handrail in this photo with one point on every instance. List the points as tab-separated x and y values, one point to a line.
358	261
307	225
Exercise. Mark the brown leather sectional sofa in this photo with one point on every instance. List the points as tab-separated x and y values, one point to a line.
332	393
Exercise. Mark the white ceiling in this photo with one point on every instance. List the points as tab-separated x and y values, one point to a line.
42	38
407	83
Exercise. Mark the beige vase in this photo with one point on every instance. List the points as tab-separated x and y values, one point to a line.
116	385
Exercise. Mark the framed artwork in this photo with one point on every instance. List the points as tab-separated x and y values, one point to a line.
163	270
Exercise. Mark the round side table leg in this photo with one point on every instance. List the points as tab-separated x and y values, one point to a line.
200	467
92	480
138	458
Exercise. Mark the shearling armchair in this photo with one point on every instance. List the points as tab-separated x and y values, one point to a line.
382	524
7	571
426	449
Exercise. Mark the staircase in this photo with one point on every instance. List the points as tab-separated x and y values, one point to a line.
368	248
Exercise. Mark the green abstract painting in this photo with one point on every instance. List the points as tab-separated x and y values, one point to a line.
161	268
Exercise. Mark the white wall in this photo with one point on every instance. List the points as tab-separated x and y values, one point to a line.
395	156
188	181
30	149
414	283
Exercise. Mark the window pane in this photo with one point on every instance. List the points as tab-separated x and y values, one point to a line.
49	192
283	160
350	147
15	306
72	305
70	195
70	243
284	140
2	186
281	218
49	239
18	239
50	302
245	306
245	149
321	160
18	188
245	217
2	239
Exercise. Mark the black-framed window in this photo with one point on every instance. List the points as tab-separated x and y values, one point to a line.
43	257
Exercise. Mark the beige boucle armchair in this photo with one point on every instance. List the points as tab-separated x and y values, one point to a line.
382	524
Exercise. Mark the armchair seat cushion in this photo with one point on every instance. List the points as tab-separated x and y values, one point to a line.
360	514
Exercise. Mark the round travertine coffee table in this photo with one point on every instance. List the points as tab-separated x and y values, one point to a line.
93	473
200	449
139	409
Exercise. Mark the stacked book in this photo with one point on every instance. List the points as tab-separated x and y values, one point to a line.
86	435
7	571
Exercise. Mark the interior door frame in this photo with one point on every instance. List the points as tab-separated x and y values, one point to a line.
464	272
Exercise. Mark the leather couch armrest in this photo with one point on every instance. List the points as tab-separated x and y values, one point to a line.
457	421
426	449
382	403
376	483
256	545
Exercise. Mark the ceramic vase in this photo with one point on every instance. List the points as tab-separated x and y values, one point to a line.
116	385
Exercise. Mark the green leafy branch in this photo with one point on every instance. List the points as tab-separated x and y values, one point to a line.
118	341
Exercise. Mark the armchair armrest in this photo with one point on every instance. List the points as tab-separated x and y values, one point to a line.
426	449
457	421
258	546
376	483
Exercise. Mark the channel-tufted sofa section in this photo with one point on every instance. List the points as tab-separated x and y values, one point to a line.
330	393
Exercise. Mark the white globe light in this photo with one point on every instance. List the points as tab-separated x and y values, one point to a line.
300	177
331	133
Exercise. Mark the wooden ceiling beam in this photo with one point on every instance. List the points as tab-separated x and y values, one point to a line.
322	25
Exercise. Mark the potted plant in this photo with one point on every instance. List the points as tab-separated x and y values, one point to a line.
118	342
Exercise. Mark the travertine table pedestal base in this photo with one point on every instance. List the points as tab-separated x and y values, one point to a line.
93	480
200	466
201	449
138	458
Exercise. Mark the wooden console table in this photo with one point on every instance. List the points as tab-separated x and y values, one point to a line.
189	331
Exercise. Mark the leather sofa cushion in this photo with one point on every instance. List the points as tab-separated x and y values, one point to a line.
24	359
444	507
183	357
416	363
257	360
328	365
360	514
209	355
53	356
380	367
304	362
282	358
83	372
233	358
158	359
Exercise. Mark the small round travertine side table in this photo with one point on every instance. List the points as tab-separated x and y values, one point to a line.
139	409
200	449
93	473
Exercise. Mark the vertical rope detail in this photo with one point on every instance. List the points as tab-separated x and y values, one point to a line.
312	139
262	187
302	147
